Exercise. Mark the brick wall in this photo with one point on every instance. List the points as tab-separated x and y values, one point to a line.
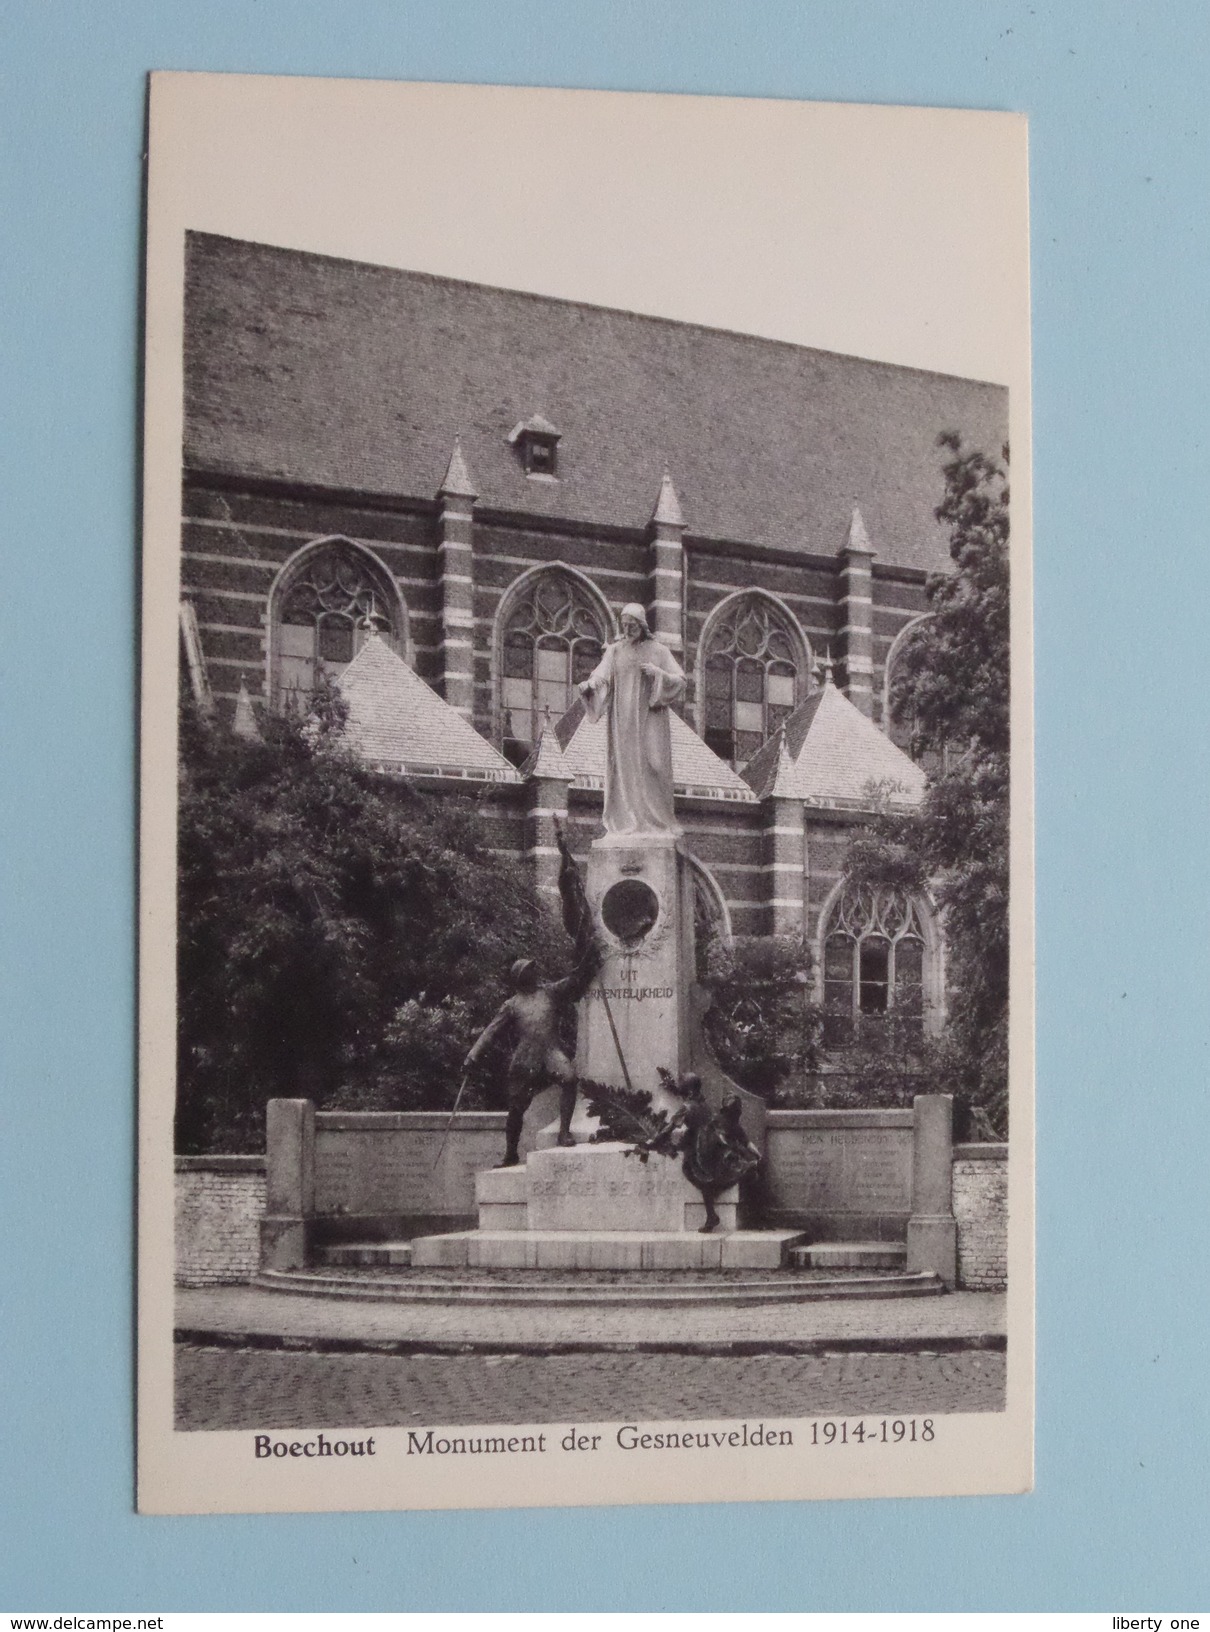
981	1208
219	1202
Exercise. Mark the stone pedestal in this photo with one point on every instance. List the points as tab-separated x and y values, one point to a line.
594	1187
594	1207
600	1187
639	892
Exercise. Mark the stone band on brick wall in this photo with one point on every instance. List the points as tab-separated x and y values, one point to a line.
219	1203
981	1208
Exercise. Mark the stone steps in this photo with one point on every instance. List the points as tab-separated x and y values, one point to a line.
850	1255
367	1254
616	1250
604	1249
644	1291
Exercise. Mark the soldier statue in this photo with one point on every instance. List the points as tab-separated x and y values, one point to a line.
531	1019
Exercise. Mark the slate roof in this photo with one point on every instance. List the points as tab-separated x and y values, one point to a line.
344	375
398	723
836	758
696	769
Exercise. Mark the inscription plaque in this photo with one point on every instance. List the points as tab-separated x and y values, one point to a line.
599	1187
392	1170
840	1169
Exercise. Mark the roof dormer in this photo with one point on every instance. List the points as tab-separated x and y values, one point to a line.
536	442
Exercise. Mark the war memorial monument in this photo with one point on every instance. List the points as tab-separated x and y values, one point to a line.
580	1200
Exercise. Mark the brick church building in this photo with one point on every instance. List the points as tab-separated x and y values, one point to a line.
441	494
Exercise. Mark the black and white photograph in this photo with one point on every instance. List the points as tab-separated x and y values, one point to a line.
586	961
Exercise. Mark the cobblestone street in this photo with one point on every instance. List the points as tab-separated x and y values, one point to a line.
221	1387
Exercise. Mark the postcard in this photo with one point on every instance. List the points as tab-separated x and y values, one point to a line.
586	850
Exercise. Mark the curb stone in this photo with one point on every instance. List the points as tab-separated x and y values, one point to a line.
204	1338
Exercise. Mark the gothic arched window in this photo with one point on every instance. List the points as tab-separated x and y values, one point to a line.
552	637
898	719
873	962
752	676
711	921
323	615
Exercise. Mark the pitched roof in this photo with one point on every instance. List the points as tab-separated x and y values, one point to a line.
696	769
334	373
398	723
536	424
836	757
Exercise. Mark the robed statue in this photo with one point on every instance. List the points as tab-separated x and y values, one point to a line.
632	687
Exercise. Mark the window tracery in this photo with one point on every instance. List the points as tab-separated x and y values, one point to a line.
323	618
752	676
711	925
874	957
899	720
553	637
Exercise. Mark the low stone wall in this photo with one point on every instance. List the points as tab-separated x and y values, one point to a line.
391	1175
219	1203
839	1175
981	1208
402	1188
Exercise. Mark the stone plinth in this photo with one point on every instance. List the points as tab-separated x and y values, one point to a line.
595	1207
595	1187
600	1187
500	1195
604	1249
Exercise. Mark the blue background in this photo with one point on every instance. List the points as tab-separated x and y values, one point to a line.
1118	102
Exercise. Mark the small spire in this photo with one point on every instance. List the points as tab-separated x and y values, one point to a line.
858	539
668	506
458	482
823	667
243	723
782	786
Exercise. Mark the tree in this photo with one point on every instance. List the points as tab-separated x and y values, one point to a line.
952	685
760	1025
340	936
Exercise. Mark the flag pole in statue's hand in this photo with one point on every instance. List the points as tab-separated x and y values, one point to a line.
613	1032
578	922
